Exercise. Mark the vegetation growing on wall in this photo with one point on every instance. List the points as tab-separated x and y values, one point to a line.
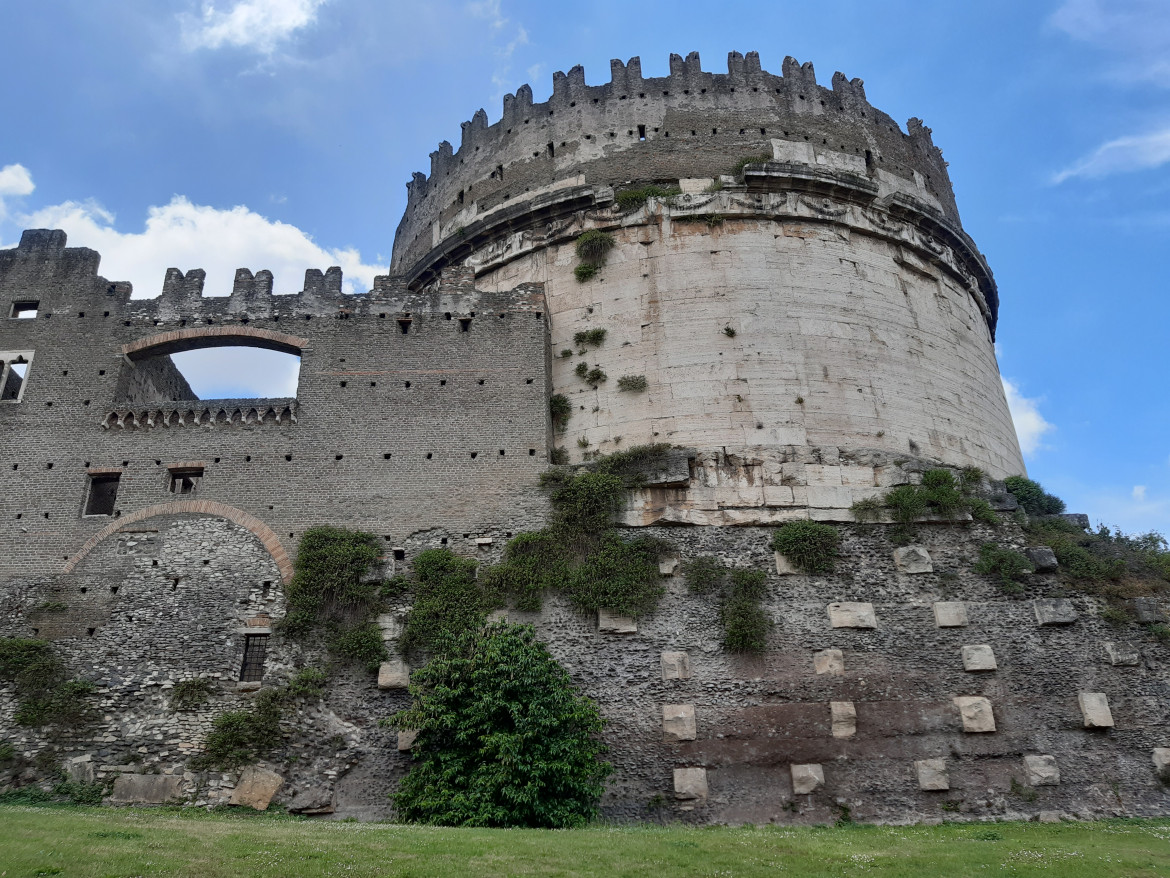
593	248
761	159
632	199
560	409
744	622
45	693
186	694
810	546
504	738
593	337
940	493
238	737
448	601
1007	565
1032	498
632	383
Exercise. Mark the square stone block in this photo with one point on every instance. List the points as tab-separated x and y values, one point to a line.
1054	611
611	623
1042	558
393	674
848	614
976	713
1095	710
255	788
978	658
146	789
678	722
406	739
1042	771
690	783
1146	610
829	661
668	566
676	666
1161	758
950	614
1122	654
784	567
806	778
912	559
932	774
844	717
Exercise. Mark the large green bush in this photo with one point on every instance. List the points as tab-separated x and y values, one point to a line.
810	545
447	600
1032	497
504	738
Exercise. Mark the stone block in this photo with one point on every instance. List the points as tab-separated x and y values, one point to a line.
932	774
690	783
912	559
848	614
806	778
1161	758
390	625
80	769
146	789
1042	558
778	495
976	713
314	800
784	567
1095	710
1041	771
668	566
610	622
676	666
255	788
393	674
1054	611
978	658
829	661
844	717
1122	654
1147	610
950	614
678	722
406	739
1050	816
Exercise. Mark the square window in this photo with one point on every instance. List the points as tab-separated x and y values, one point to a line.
103	493
185	479
255	648
25	310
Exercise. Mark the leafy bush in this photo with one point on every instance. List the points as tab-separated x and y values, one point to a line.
238	737
704	574
632	199
595	376
584	272
594	337
592	248
7	752
906	503
532	563
585	502
308	683
1032	497
448	601
561	410
329	578
633	383
745	624
633	464
46	695
504	738
190	693
558	456
621	575
810	545
360	644
1008	565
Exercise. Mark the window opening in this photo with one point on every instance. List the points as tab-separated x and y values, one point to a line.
641	132
103	493
465	324
13	374
404	326
551	152
25	310
252	669
185	479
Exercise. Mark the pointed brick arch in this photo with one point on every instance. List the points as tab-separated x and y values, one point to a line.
259	529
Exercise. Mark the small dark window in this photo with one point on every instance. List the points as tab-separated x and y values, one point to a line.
25	310
404	326
641	132
255	646
103	492
551	152
465	324
400	554
184	480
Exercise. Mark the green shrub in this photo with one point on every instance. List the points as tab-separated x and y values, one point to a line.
941	492
634	464
585	502
810	545
308	683
1159	632
592	248
745	624
447	600
633	383
632	199
906	503
45	694
1032	497
581	370
970	478
558	456
504	738
1008	565
79	793
360	644
704	574
1115	616
594	337
981	510
584	272
533	563
190	693
621	575
561	410
238	737
867	508
595	376
329	578
7	752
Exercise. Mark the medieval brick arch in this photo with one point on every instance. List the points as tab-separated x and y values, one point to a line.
258	528
176	340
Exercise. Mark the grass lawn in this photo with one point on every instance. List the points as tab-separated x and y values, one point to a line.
73	841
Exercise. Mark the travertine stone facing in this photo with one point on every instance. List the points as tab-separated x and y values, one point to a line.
1050	817
668	566
1041	771
676	666
610	622
146	789
406	738
1042	558
851	614
932	774
1095	709
1161	759
81	769
1122	654
950	614
393	674
256	787
829	661
978	658
1147	609
807	778
784	567
1054	611
976	713
912	559
678	722
690	783
844	718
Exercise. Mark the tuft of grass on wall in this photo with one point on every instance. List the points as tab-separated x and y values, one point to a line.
811	546
632	383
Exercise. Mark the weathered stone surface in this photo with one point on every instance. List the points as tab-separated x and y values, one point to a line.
829	661
932	774
393	674
146	789
668	566
690	783
80	769
978	658
1042	558
1041	771
1050	816
610	622
1161	760
255	788
406	739
950	614
976	713
1054	611
844	718
1147	610
1122	654
312	800
806	778
678	722
1095	710
676	666
912	559
784	567
851	614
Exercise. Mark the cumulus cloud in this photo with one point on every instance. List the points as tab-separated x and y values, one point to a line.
1137	30
1133	153
15	180
506	40
1030	424
1139	493
259	25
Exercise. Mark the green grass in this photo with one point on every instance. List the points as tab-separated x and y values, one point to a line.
94	843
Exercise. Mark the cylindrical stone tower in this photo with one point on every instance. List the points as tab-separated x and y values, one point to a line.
800	297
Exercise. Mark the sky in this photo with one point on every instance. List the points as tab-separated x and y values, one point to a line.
280	134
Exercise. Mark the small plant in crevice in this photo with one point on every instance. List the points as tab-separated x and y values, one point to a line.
52	607
632	199
238	737
761	159
811	546
593	337
867	509
745	624
590	376
584	272
1115	615
713	219
1159	631
729	331
186	694
1023	792
307	683
559	456
799	400
592	248
566	353
941	494
560	410
632	383
1007	565
582	442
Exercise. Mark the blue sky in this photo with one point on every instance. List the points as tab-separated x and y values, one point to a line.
279	134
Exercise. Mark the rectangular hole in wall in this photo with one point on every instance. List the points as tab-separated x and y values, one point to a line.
103	494
255	647
14	366
185	479
24	310
465	324
641	132
404	326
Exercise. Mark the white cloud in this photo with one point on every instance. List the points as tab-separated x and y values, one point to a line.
1139	493
514	38
1133	153
14	180
260	25
1030	424
1137	30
